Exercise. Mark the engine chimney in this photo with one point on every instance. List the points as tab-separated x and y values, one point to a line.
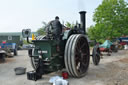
83	20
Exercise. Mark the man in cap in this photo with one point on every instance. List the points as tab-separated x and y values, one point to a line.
55	28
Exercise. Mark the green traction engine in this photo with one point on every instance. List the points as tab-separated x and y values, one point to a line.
70	51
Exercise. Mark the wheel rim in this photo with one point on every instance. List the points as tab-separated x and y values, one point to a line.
80	56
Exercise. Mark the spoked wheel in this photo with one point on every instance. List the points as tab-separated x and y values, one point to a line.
34	61
96	55
77	55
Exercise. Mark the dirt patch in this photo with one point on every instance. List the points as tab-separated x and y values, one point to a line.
119	79
8	60
124	60
117	72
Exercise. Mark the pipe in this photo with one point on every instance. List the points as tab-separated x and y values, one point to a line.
83	20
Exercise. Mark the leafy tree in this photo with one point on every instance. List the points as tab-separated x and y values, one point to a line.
41	31
69	25
111	19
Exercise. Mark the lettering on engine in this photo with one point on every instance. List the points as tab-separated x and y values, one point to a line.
42	51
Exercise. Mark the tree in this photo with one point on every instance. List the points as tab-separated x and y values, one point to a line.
111	19
69	25
41	31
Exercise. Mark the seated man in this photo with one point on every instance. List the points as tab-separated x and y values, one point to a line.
54	27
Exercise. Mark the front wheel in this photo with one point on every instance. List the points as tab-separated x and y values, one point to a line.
96	55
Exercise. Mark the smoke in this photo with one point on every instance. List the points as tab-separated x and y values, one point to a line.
81	5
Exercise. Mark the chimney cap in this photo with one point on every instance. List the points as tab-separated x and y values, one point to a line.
82	12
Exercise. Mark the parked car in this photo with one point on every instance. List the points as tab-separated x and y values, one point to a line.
27	46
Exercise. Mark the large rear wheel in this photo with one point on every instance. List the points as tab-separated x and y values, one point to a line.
77	55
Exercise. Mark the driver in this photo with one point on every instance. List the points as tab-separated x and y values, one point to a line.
55	28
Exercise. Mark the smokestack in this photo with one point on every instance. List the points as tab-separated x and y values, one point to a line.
83	20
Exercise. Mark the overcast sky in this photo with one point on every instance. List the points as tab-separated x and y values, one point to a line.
16	15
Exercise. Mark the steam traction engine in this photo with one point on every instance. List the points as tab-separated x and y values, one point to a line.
71	51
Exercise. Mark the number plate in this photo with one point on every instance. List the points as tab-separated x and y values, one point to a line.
42	51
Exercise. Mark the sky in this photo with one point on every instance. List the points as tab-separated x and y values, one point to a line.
16	15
